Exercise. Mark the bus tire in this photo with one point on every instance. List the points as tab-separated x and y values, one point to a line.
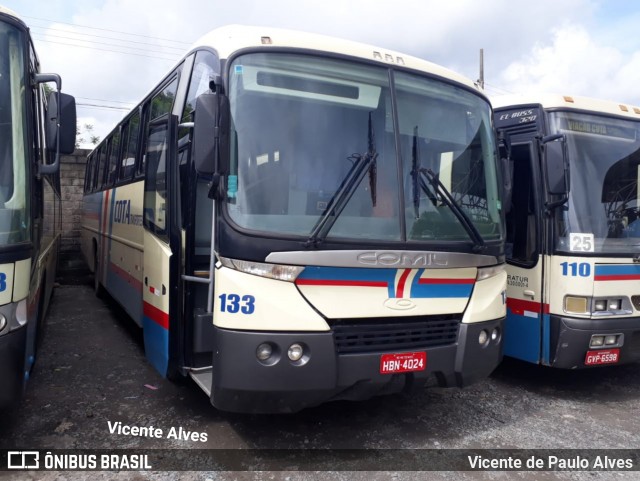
98	289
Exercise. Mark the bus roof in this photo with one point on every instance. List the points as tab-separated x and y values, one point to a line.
231	38
572	102
10	13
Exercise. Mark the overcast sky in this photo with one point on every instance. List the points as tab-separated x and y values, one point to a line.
579	47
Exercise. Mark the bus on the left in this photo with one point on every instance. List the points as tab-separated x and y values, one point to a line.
34	131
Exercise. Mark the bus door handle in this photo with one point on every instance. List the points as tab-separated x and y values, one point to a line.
530	293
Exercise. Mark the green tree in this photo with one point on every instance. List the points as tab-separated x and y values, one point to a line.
85	135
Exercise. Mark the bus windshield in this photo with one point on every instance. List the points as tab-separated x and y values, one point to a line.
604	155
314	138
14	212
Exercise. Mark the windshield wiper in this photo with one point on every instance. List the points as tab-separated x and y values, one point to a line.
348	186
450	202
416	179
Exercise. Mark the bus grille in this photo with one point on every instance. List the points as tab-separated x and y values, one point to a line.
393	333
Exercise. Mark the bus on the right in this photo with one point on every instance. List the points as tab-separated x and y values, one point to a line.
573	229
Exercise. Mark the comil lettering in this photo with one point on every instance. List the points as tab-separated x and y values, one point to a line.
403	259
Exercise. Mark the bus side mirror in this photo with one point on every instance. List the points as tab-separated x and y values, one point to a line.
61	119
211	133
506	165
556	165
506	168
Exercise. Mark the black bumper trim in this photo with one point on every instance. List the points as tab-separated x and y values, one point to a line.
241	383
12	353
570	339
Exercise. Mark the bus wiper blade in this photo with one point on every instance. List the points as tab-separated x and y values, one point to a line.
416	179
462	216
348	186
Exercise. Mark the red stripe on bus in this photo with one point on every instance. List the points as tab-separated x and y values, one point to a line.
156	315
518	306
618	277
126	276
432	280
325	282
402	282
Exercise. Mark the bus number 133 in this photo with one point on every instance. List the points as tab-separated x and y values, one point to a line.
233	303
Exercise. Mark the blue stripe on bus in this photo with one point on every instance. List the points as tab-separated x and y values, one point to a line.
522	337
546	339
612	270
156	344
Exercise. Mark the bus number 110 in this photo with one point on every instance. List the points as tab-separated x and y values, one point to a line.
582	269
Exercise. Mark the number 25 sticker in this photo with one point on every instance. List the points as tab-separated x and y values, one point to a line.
581	242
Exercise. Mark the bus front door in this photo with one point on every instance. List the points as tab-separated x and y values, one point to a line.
527	319
159	273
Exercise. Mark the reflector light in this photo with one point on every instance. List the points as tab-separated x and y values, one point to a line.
596	341
610	340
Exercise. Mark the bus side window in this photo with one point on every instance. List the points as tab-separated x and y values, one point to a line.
100	161
155	187
130	147
521	221
113	159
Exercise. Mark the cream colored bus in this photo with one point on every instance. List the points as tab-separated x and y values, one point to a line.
30	144
573	230
293	219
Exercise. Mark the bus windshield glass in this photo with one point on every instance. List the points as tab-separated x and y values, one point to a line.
330	148
14	212
603	206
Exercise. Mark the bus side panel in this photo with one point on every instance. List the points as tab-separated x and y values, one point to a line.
155	295
91	217
523	327
124	273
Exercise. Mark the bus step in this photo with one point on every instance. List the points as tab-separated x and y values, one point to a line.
202	377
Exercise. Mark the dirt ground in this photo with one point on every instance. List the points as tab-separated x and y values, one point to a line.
91	372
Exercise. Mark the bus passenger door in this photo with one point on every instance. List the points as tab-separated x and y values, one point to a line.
158	272
523	331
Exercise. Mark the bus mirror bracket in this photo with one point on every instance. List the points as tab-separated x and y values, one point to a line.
60	123
556	168
211	134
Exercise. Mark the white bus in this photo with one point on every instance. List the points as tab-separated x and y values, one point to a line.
573	230
29	199
293	219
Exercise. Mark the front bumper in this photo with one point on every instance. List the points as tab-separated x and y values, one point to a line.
241	383
570	338
12	356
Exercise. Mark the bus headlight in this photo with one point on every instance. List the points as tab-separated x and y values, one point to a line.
597	307
488	272
272	271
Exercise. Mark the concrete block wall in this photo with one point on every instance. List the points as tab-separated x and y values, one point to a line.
72	168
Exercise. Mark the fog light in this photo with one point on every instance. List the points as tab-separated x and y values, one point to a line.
295	352
615	304
495	334
483	337
600	305
264	351
3	322
610	340
596	341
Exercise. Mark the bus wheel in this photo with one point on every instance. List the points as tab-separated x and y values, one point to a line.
97	287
